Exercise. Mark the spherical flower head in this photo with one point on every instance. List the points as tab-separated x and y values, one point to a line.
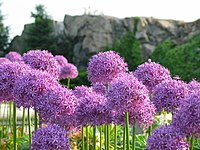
91	109
28	87
187	117
82	91
166	138
62	61
42	60
68	71
169	95
124	90
4	60
50	137
57	105
141	113
10	71
151	74
194	86
14	56
105	66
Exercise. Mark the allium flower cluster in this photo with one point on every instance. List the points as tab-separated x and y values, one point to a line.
4	60
62	61
51	137
105	66
194	86
127	94
99	88
57	105
91	109
9	73
42	60
28	87
188	116
68	71
166	138
169	94
13	56
151	74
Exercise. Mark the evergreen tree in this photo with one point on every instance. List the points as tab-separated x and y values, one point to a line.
4	35
40	33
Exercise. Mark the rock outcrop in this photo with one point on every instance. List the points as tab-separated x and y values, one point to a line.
89	34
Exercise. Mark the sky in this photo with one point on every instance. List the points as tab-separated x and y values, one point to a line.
18	12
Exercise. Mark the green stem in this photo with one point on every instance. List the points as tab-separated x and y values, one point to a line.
192	143
35	120
100	130
29	125
23	122
149	130
68	82
83	142
115	137
108	136
124	138
94	138
14	127
87	138
134	137
105	136
127	131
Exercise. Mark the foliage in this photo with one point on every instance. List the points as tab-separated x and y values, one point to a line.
184	60
40	33
4	35
159	53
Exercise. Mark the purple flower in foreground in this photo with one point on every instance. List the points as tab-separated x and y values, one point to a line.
28	87
14	56
169	94
105	66
187	118
127	94
194	86
62	61
42	60
91	110
57	106
99	88
82	91
9	73
166	138
50	137
151	74
4	60
68	71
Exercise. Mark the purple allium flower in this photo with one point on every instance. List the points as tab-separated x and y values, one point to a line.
10	71
105	66
99	88
193	86
14	56
62	61
91	109
187	118
28	87
57	106
82	91
42	60
127	94
166	138
4	60
151	74
50	137
68	71
168	95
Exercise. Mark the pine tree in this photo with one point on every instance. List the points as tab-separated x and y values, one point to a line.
40	33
